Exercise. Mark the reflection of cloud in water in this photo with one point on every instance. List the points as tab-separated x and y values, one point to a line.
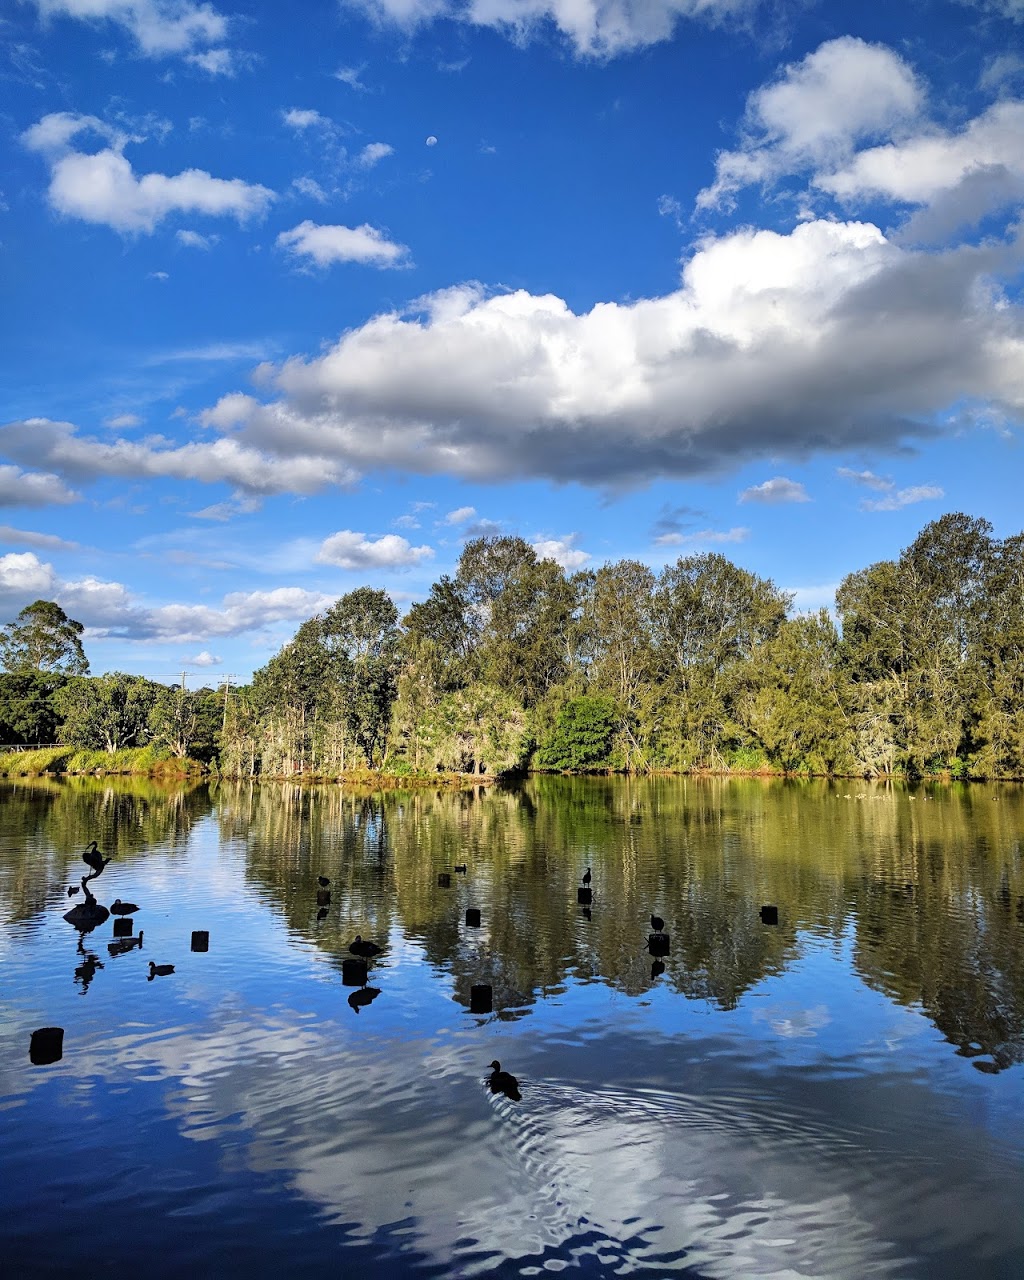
791	1021
744	1174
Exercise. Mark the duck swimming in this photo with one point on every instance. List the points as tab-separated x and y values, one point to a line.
504	1082
361	948
158	970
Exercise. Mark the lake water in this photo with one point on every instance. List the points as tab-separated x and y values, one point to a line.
839	1095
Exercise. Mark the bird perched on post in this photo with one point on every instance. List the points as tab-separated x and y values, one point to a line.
587	876
504	1082
94	859
657	924
323	881
361	948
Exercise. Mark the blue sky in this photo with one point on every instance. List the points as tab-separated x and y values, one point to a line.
298	300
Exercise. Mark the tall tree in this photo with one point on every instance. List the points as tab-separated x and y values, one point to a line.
43	638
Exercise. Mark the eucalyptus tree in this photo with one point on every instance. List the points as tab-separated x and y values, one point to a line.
43	638
105	712
708	618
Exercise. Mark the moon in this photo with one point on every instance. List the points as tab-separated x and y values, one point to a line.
431	141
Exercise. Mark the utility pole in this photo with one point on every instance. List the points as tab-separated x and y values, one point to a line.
183	675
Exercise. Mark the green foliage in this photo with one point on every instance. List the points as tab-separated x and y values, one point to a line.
43	638
106	712
583	736
27	712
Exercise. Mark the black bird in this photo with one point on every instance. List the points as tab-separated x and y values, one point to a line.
121	946
657	969
586	876
503	1082
323	881
72	890
93	858
361	948
657	924
119	908
322	914
461	870
364	996
158	970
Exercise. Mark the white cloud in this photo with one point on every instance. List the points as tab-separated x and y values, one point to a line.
962	176
351	550
215	62
351	77
459	516
373	153
328	244
193	240
124	420
23	573
703	537
158	275
844	92
562	551
307	186
26	537
828	339
205	659
32	488
903	498
301	119
101	187
158	27
867	478
221	461
776	490
594	28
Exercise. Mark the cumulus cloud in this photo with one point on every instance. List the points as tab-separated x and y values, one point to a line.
101	187
325	245
776	490
814	113
23	573
703	537
594	28
158	27
194	240
27	538
32	488
903	498
300	119
205	659
960	176
220	461
349	550
894	498
123	421
563	551
828	339
373	153
459	516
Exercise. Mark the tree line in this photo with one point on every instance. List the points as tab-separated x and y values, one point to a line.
513	663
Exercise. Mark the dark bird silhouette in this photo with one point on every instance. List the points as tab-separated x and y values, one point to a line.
121	946
159	970
86	971
72	890
323	881
503	1082
657	969
461	870
322	914
586	913
361	948
657	924
94	859
364	996
119	908
586	876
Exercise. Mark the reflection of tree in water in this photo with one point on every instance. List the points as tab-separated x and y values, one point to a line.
48	821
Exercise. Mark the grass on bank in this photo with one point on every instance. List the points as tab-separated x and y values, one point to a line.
142	760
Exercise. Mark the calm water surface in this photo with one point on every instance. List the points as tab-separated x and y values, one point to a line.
841	1095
